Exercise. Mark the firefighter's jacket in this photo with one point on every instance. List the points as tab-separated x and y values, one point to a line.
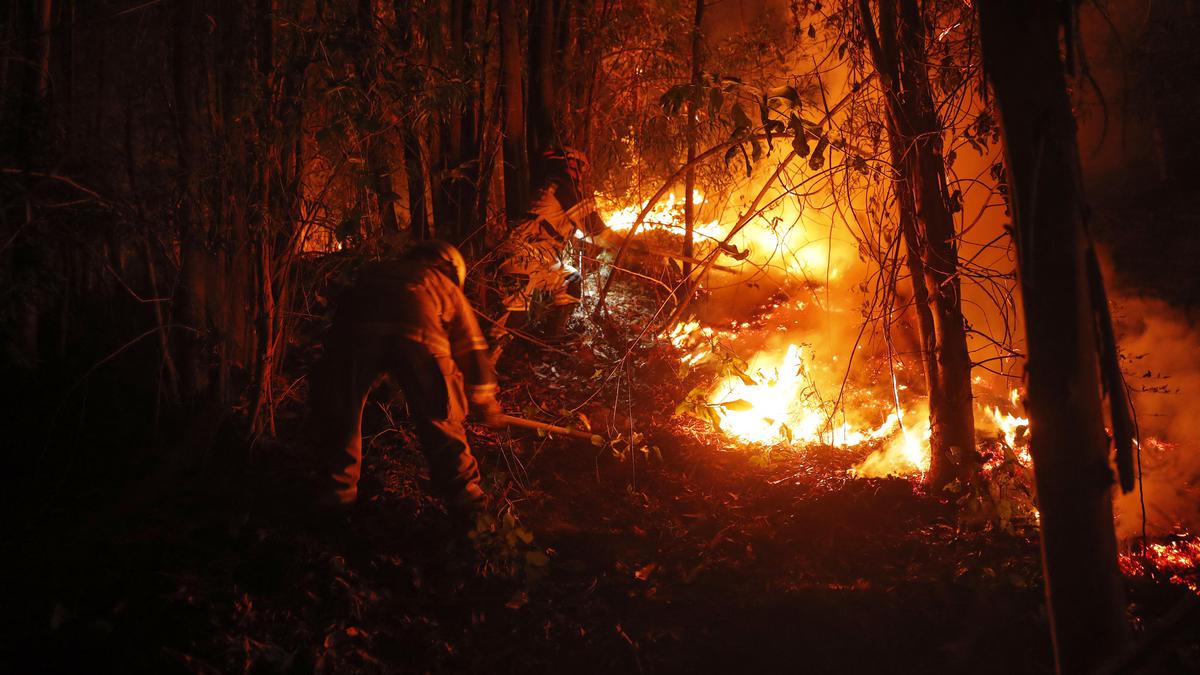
534	248
416	302
556	211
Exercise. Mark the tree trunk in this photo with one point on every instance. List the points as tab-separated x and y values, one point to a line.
191	297
455	192
378	170
45	35
419	221
516	156
689	180
1067	437
542	98
898	49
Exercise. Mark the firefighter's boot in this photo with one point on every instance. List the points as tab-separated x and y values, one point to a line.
557	318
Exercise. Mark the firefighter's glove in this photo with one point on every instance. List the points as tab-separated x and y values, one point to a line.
486	412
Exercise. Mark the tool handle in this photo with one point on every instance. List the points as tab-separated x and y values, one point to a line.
509	420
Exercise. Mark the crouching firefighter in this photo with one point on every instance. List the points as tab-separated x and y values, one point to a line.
533	256
406	318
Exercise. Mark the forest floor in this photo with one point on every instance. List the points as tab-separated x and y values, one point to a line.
695	555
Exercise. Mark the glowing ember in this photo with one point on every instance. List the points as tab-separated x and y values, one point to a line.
1178	560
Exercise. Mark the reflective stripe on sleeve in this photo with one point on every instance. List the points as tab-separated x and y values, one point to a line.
469	343
482	393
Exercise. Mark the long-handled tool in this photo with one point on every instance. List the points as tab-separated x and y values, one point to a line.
509	420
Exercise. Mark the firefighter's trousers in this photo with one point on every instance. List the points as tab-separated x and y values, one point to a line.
433	387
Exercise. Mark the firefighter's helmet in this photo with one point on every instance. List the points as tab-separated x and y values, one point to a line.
568	160
443	255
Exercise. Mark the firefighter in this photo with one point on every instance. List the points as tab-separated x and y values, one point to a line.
532	257
407	317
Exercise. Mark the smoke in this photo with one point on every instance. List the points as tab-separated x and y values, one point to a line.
1159	348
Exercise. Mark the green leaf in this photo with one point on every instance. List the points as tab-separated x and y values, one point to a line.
730	154
715	100
800	143
714	417
788	94
741	121
737	405
817	159
673	99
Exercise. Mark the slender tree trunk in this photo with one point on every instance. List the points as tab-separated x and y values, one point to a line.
689	181
898	49
160	318
542	100
1067	437
953	427
455	189
11	36
192	288
230	276
262	420
379	172
22	126
516	156
45	40
419	219
587	67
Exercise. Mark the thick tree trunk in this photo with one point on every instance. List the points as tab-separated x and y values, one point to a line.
927	225
1067	437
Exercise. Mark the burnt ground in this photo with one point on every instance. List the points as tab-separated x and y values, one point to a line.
692	555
